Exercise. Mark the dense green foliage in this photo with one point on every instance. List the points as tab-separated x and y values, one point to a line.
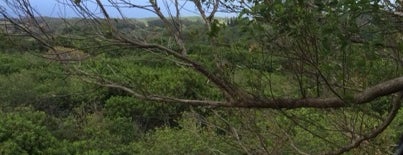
283	48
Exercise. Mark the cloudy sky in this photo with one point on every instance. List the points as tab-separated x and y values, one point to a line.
56	8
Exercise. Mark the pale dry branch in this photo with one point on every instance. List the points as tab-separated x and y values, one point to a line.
173	27
95	79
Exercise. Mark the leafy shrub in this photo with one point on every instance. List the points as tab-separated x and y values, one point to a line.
25	132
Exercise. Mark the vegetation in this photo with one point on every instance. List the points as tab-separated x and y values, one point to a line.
283	77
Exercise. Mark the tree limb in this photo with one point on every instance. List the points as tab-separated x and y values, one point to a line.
375	132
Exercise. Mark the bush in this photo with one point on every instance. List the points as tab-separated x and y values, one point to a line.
25	132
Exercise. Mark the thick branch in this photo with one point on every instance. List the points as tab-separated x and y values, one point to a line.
206	19
368	95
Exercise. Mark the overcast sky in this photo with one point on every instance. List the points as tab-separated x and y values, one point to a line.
55	8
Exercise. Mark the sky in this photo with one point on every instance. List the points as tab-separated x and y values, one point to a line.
56	8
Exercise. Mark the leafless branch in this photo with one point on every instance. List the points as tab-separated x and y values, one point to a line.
143	96
170	26
375	132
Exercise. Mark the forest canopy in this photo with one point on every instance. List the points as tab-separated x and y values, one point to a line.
280	77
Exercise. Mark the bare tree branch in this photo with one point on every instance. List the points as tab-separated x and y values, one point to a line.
375	132
142	96
170	26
